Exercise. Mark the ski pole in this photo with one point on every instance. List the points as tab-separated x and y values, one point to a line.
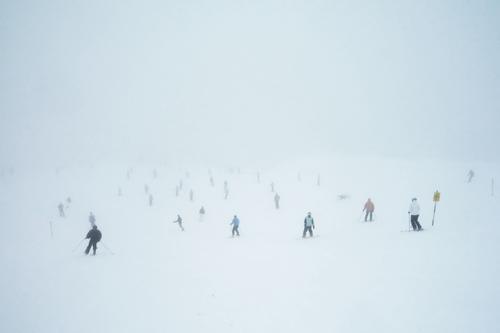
107	248
409	222
78	245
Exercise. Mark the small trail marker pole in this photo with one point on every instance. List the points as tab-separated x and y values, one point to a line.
436	199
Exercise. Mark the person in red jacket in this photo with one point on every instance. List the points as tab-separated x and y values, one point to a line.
369	208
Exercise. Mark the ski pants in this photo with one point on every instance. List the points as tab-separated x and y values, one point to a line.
414	222
235	230
306	229
370	214
93	244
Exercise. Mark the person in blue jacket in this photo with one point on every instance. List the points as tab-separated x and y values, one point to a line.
236	224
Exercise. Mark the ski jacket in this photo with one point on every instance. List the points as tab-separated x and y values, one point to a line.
414	208
94	235
369	206
235	222
308	221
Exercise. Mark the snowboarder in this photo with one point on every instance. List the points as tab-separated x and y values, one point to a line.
414	212
369	208
179	221
92	219
202	213
150	200
94	236
470	175
308	225
236	224
277	200
60	207
191	195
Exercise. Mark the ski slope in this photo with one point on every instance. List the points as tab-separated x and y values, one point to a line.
351	277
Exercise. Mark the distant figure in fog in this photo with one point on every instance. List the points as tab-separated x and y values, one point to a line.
277	201
179	221
92	219
60	207
202	213
236	224
369	208
191	195
150	200
470	175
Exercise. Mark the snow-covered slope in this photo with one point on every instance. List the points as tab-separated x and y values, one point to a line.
352	277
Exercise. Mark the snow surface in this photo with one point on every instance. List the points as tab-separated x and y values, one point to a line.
352	277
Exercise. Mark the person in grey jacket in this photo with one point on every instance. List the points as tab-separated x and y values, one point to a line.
236	224
308	225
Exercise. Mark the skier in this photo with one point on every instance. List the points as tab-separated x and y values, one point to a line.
212	183
191	196
226	193
94	236
277	200
68	201
150	200
92	219
470	175
61	209
146	189
236	224
308	225
179	221
177	191
226	185
318	181
272	187
369	208
202	213
180	184
414	212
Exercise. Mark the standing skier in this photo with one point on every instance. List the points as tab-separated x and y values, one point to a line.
414	212
191	195
92	219
146	189
470	175
179	221
236	224
277	200
308	225
60	207
202	213
94	236
369	208
150	200
272	187
212	182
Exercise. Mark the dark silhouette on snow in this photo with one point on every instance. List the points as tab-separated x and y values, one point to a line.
94	236
179	221
150	200
308	225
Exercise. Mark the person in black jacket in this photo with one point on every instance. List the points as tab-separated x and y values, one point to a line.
94	236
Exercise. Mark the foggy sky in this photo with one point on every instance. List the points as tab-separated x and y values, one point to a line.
239	81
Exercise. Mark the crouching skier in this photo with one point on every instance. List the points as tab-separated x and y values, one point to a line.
94	236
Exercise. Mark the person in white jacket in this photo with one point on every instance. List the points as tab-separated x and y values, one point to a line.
414	212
